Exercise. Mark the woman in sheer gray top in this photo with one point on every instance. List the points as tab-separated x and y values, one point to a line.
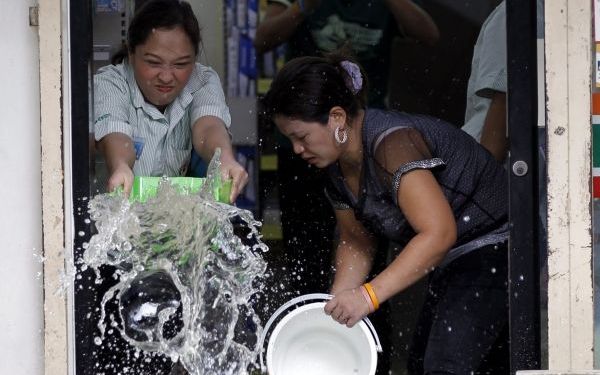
414	180
396	144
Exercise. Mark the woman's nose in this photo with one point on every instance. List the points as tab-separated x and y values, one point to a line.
165	75
298	149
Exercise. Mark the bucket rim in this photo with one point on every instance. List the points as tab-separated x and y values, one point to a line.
294	302
367	333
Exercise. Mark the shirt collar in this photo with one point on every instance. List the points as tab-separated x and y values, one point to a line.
195	83
137	98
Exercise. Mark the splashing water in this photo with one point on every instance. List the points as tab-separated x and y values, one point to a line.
185	276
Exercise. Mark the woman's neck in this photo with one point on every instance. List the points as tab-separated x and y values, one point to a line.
352	156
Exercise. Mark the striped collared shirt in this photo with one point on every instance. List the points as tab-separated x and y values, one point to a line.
163	142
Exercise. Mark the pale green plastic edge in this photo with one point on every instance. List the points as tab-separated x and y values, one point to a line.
147	187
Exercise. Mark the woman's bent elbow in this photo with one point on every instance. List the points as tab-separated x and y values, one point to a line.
448	237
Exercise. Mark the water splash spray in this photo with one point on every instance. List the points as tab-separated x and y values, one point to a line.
186	276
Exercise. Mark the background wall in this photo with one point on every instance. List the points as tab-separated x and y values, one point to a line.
210	17
21	314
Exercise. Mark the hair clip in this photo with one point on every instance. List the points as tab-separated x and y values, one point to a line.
355	81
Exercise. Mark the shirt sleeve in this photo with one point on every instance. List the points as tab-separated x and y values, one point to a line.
286	3
399	151
491	76
209	100
111	104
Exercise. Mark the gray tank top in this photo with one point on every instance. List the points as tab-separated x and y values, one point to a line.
474	183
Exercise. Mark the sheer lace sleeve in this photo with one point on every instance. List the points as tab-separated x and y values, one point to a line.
398	151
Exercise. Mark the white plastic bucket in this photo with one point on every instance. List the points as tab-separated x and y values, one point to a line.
307	341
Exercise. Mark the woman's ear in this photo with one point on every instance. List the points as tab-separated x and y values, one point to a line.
337	117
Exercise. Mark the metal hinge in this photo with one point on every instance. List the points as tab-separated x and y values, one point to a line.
34	15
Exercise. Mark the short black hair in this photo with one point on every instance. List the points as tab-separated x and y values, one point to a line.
160	14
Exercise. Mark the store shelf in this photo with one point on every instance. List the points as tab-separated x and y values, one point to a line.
268	162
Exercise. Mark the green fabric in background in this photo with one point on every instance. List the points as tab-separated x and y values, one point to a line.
596	145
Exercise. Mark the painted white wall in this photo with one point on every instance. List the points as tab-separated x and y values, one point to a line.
21	312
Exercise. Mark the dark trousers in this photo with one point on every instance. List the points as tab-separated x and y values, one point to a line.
463	327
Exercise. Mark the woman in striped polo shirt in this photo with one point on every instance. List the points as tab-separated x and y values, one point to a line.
157	102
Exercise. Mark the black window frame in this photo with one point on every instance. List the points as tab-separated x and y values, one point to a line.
524	260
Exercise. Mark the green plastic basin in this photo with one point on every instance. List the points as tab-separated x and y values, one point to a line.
147	187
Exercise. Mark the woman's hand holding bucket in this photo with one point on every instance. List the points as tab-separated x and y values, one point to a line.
304	336
348	306
121	177
231	169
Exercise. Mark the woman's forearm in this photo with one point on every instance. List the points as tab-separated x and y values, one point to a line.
353	262
117	149
277	27
426	208
415	22
208	133
416	260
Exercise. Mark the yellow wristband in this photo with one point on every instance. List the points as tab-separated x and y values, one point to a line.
372	295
